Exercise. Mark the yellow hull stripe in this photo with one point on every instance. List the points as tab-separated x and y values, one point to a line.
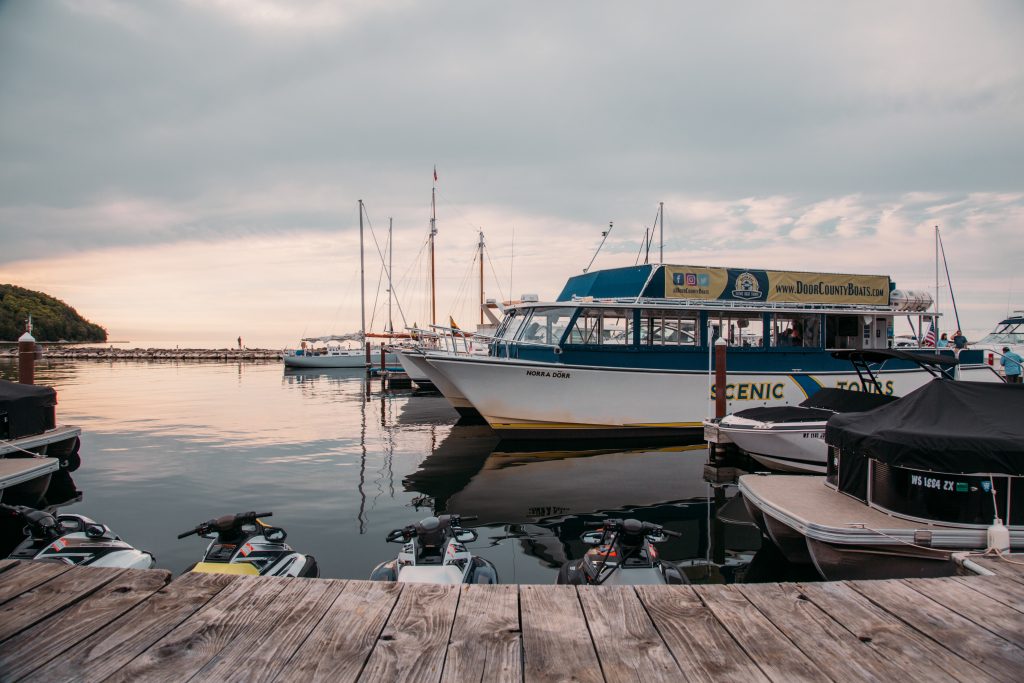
239	568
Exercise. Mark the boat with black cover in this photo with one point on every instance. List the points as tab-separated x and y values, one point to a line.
908	484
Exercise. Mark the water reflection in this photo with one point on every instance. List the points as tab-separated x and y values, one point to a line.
167	445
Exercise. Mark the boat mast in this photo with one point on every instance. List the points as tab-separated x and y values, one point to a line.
480	246
391	254
362	285
433	233
935	319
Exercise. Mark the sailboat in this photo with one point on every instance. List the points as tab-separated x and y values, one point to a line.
346	350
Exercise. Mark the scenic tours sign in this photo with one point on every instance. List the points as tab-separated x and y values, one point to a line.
738	284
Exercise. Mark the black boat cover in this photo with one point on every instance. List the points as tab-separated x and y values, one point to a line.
818	407
25	409
956	427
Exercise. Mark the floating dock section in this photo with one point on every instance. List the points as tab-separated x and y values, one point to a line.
73	623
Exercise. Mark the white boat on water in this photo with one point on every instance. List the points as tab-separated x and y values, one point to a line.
1008	333
626	352
333	352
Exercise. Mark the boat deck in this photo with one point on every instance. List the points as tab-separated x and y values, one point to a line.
74	623
24	443
14	471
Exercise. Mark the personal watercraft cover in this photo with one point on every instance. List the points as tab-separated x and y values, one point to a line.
965	427
25	409
818	407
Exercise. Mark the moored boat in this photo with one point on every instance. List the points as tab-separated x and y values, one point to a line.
625	352
908	484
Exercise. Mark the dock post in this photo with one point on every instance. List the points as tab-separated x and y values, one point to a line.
720	381
27	356
383	360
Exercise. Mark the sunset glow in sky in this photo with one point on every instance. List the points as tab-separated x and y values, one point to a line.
190	171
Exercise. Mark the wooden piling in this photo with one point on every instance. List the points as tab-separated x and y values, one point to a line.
27	358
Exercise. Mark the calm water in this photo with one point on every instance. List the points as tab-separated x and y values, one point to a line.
168	445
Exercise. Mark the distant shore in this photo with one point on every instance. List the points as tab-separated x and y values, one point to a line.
111	353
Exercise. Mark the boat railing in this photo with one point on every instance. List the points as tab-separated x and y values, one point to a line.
724	304
459	341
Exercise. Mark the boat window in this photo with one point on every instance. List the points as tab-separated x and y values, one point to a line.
796	330
603	326
669	328
511	324
843	331
739	329
545	325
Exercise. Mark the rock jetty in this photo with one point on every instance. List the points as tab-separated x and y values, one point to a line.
111	353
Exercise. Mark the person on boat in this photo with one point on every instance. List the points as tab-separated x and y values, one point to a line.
943	341
959	343
1011	363
797	337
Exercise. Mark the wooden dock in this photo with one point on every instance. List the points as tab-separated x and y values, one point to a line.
59	623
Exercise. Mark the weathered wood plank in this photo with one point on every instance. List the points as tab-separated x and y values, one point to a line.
338	647
627	643
55	595
702	647
833	649
7	564
777	657
412	645
486	641
917	655
1010	593
50	638
556	643
265	646
990	614
113	646
185	650
27	575
960	635
1011	566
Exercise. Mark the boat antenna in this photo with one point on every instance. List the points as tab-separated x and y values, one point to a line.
949	281
661	233
362	279
604	236
433	233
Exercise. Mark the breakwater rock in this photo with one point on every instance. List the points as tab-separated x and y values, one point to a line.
111	353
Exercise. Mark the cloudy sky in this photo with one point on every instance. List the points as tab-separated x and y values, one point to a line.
190	170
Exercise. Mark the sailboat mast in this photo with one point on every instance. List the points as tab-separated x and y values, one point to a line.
362	285
935	320
391	254
481	247
433	233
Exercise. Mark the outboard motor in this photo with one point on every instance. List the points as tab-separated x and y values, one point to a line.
623	554
434	551
72	539
243	544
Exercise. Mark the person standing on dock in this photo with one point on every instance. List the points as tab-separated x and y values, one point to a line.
239	343
1011	363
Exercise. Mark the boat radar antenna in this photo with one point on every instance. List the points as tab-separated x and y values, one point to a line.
604	237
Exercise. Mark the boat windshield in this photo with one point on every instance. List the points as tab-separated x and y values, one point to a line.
545	325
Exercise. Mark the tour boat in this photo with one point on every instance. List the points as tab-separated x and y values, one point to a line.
792	438
626	352
908	484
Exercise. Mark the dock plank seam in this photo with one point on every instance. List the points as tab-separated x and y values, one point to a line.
376	640
968	612
590	633
979	584
451	629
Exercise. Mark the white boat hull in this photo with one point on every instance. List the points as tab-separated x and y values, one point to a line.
523	399
355	360
784	447
420	362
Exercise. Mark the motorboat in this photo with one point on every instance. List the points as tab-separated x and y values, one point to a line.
908	485
625	352
333	352
792	438
1008	333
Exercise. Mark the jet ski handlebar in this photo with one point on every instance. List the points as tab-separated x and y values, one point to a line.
226	523
431	525
632	526
42	523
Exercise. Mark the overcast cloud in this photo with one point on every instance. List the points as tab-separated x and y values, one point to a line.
204	159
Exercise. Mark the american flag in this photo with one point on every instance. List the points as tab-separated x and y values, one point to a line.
929	339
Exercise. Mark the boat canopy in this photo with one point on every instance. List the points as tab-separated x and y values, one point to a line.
26	408
956	427
747	285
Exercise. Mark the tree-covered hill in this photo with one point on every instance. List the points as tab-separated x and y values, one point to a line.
52	319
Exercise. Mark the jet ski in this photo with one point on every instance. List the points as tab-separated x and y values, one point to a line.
434	551
243	544
623	554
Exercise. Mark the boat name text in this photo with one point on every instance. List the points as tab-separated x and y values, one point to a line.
554	374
